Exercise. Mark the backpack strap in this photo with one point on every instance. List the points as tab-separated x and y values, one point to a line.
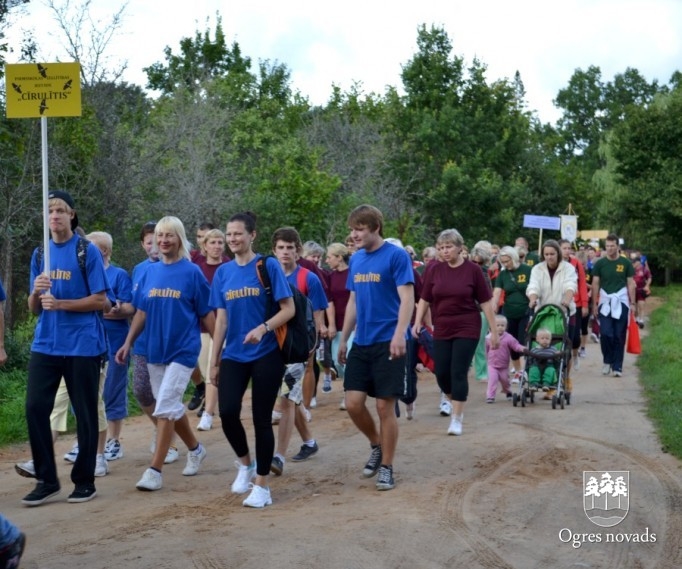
264	279
302	280
82	256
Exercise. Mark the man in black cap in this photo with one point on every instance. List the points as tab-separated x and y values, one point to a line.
68	298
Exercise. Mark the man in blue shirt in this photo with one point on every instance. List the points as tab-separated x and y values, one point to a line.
69	341
381	303
287	247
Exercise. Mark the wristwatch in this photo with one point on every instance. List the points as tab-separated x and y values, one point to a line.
267	327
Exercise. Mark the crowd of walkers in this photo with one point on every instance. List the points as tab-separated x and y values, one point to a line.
199	315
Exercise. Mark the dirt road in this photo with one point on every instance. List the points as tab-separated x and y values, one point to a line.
506	494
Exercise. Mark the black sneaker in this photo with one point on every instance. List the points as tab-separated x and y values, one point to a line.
41	493
11	555
305	453
82	494
385	478
201	410
373	463
277	466
198	397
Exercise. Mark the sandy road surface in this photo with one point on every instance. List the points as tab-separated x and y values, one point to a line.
500	496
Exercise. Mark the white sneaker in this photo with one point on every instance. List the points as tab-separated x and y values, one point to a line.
455	427
172	455
576	363
445	407
594	337
307	414
276	416
409	411
259	497
617	373
327	384
342	405
194	459
206	422
26	469
515	377
72	455
113	450
313	403
606	369
151	480
101	466
245	474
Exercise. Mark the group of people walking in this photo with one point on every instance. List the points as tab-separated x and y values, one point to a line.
198	315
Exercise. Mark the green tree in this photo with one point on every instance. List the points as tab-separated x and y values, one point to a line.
200	59
646	151
457	141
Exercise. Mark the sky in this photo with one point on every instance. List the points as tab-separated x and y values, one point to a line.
367	42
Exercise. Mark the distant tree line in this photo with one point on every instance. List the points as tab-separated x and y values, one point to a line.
218	133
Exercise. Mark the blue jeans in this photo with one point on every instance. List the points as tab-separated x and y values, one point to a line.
613	332
8	532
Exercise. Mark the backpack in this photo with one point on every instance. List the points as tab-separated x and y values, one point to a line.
296	338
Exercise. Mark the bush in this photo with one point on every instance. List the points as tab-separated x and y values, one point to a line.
18	345
12	414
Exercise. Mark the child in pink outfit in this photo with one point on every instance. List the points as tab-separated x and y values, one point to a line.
498	360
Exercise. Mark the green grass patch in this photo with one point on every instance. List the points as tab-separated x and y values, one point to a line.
660	365
13	427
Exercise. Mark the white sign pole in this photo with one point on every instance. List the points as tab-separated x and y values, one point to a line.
46	206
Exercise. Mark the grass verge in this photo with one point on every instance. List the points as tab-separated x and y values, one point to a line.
659	367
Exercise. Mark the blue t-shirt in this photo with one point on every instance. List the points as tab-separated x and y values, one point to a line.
314	289
374	277
63	332
122	288
237	290
174	297
3	296
140	345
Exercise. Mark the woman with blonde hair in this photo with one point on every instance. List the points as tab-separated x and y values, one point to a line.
171	300
337	259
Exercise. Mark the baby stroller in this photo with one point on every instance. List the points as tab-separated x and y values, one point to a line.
554	319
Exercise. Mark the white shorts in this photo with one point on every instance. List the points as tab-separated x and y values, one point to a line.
292	383
169	383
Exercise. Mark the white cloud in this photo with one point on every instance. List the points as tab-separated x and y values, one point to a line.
367	41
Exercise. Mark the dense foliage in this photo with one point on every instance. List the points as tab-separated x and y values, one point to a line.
217	134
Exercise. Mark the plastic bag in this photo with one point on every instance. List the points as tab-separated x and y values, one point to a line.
634	345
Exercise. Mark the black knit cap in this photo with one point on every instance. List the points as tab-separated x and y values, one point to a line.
66	198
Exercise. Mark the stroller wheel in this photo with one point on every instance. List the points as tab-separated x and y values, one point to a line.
568	398
515	399
561	400
532	396
523	399
554	401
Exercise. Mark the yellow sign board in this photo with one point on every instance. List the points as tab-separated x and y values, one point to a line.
37	90
593	234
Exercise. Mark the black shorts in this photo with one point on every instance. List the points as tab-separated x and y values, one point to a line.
370	370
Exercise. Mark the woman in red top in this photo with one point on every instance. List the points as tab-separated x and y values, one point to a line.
337	260
581	300
456	291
